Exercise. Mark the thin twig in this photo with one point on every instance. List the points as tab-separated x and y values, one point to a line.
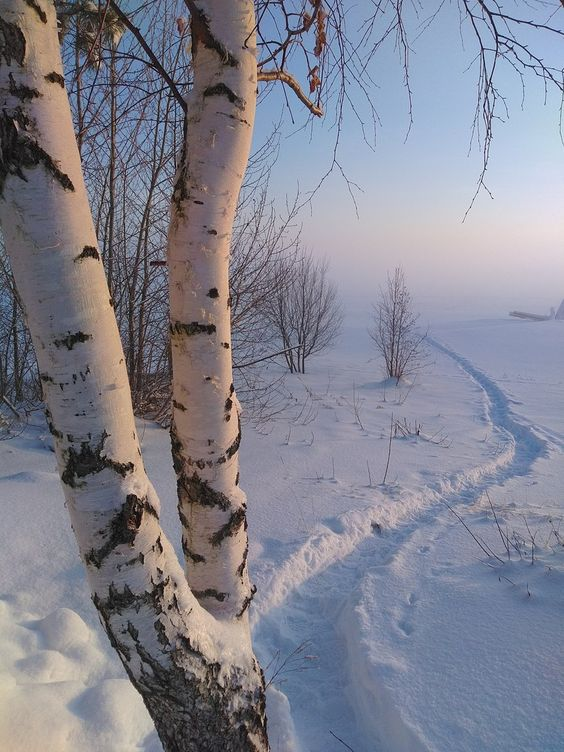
340	740
503	540
266	357
389	449
149	52
485	548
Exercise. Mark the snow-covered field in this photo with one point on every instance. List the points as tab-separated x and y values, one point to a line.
420	615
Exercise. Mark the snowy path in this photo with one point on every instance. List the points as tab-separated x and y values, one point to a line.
318	593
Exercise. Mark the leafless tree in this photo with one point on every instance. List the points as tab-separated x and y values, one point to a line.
128	112
305	311
19	378
395	333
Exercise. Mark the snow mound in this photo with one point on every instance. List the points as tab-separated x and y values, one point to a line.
63	630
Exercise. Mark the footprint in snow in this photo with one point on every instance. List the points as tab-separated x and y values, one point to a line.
406	627
405	624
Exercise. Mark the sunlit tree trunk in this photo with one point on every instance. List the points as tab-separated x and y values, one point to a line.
197	676
206	425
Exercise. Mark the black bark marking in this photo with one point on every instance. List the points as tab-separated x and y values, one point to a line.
89	251
162	636
123	529
196	558
200	28
139	559
228	404
12	43
213	293
237	480
200	203
37	8
243	564
235	445
182	517
231	527
21	91
212	232
191	486
132	631
176	450
179	405
55	78
210	593
200	492
225	345
51	426
180	190
89	461
222	90
119	601
72	339
20	150
229	301
46	379
247	602
234	117
191	329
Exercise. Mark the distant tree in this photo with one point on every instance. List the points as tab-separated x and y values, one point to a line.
19	378
305	310
395	332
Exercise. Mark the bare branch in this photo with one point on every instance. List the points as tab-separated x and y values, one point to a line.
289	80
155	63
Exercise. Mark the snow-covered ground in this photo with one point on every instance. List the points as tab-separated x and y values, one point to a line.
420	615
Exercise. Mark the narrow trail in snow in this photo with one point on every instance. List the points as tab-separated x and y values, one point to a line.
312	593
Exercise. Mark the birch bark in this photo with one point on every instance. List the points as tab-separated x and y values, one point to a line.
206	426
198	677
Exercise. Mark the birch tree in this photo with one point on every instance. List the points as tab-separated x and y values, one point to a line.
193	665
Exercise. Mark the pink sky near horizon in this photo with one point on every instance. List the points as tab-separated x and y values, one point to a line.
415	193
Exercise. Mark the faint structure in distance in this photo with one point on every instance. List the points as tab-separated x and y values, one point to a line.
558	315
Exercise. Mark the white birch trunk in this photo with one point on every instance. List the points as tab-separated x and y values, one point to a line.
206	426
198	678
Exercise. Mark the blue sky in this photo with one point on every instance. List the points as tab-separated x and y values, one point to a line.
508	252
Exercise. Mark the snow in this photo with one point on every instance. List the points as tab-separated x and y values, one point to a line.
382	623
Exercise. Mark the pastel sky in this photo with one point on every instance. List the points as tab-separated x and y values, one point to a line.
509	251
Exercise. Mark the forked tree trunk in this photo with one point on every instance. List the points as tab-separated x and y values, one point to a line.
206	427
197	676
